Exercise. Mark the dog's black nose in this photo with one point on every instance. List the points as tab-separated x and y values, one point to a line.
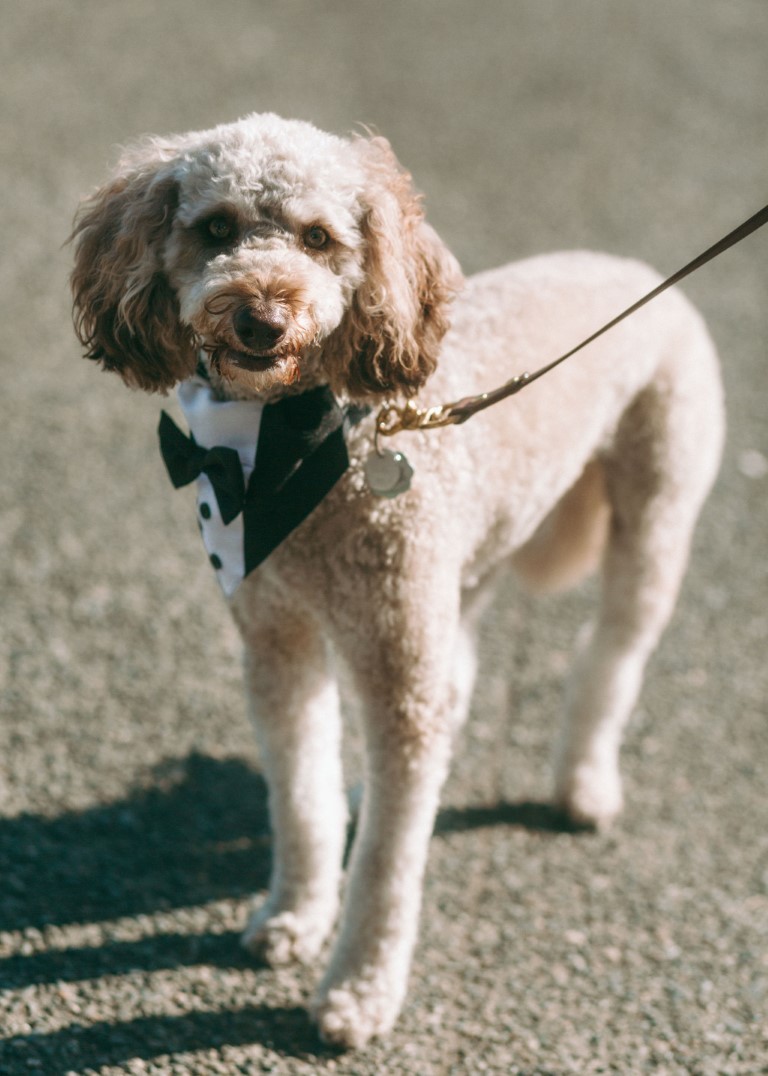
260	328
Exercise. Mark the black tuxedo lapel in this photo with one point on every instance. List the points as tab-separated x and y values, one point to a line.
300	456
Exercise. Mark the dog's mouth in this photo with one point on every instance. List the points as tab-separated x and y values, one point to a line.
260	369
255	362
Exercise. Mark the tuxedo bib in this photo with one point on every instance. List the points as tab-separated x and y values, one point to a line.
260	469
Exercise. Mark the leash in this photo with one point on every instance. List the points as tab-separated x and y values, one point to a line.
393	418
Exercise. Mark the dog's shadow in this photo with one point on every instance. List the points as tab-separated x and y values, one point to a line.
199	832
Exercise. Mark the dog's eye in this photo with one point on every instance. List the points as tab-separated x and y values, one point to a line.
220	228
316	237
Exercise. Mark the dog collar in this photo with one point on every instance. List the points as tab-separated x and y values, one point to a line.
260	469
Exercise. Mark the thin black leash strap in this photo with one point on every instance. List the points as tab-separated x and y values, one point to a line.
410	417
728	241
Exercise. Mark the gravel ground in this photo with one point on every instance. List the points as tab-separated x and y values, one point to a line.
132	813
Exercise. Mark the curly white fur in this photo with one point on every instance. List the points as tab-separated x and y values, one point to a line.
293	258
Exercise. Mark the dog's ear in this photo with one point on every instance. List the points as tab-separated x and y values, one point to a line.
126	314
390	337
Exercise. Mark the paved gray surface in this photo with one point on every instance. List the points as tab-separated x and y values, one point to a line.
133	819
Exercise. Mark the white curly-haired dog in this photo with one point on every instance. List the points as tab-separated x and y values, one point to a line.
284	258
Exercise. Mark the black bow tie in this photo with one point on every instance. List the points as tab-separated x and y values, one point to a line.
301	455
186	460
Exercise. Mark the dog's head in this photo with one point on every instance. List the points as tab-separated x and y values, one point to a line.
283	252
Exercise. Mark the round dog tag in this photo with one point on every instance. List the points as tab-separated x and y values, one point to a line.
388	473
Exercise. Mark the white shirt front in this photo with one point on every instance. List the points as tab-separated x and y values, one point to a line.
230	424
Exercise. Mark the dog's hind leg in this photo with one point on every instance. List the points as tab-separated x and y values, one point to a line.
294	708
662	463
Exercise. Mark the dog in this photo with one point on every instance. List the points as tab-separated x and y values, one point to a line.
274	260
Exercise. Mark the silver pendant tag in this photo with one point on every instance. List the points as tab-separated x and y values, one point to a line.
387	473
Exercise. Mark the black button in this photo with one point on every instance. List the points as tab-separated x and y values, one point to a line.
205	510
215	561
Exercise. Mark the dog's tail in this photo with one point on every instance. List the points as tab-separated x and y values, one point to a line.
569	543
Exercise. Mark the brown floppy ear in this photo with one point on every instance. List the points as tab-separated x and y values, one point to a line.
126	314
390	337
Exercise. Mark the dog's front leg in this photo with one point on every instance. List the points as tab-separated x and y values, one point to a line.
294	708
409	709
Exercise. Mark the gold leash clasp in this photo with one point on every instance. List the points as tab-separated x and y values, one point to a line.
392	417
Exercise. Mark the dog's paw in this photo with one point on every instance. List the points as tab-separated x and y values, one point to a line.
590	795
288	937
349	1015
